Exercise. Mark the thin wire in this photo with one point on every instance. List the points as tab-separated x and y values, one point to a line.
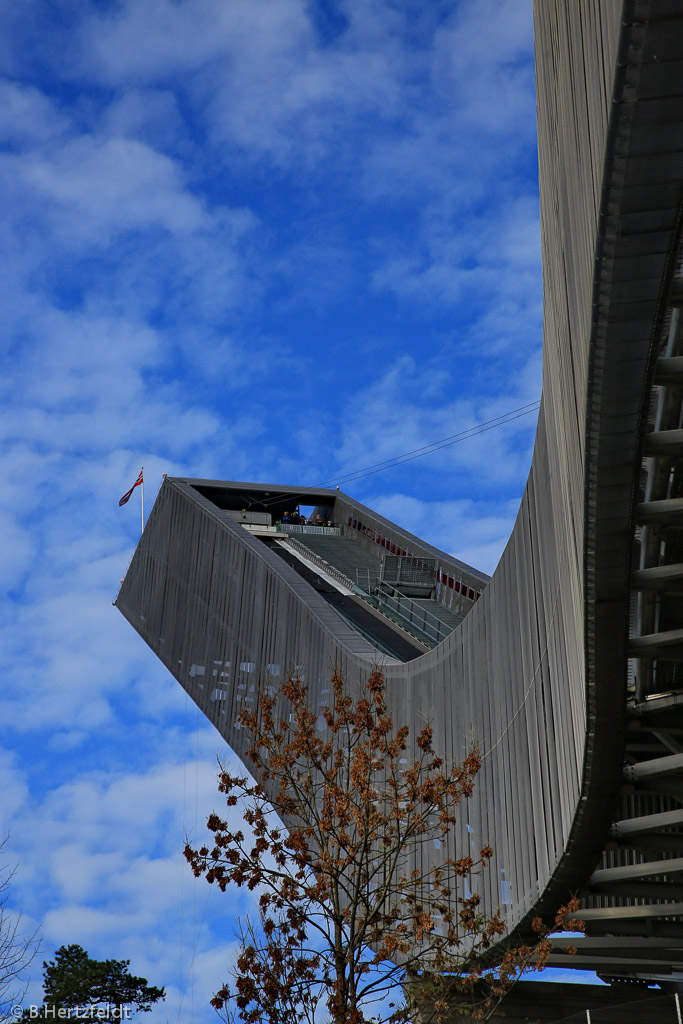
416	453
462	435
400	460
194	887
181	987
189	978
535	676
200	929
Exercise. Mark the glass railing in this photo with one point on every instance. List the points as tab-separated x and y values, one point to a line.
323	531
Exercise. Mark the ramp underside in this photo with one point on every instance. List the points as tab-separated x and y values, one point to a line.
552	668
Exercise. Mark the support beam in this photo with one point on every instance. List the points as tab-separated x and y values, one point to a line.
668	644
659	577
647	823
653	769
666	510
651	910
633	871
669	370
608	964
664	703
624	944
664	443
668	741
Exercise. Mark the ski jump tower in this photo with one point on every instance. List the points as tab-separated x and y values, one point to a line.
568	662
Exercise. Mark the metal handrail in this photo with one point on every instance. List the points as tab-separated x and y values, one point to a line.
411	612
316	559
417	621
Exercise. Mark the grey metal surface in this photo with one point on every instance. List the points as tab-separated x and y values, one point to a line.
539	667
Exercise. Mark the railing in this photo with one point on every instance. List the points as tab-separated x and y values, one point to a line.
363	580
412	614
414	619
322	531
410	572
321	564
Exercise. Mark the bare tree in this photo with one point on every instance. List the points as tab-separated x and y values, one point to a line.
357	914
17	949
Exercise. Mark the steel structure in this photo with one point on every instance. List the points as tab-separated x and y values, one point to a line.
567	664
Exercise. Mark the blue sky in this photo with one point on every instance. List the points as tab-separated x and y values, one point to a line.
274	241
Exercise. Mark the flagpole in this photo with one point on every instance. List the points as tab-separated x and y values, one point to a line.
142	494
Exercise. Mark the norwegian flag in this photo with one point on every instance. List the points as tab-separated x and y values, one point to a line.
127	495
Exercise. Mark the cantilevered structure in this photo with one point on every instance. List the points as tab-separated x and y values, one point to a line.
568	663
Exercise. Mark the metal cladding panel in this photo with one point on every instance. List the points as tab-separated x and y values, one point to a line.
536	671
222	615
222	612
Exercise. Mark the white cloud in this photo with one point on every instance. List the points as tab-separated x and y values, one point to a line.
28	116
198	197
104	867
15	790
492	268
94	189
410	406
149	115
257	72
480	54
